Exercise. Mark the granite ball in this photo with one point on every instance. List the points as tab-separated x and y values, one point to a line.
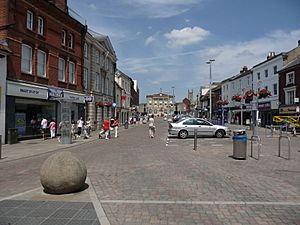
63	173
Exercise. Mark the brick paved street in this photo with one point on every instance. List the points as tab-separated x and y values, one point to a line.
142	181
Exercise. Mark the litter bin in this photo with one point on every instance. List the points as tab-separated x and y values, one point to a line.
126	124
239	144
12	136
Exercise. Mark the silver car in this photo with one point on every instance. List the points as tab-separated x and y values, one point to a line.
187	126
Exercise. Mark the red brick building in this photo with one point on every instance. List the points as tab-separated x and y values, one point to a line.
46	61
289	84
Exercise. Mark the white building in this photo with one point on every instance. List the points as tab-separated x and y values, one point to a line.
265	76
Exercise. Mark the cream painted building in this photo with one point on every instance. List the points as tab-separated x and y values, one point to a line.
160	104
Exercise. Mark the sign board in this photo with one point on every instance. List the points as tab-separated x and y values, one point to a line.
296	100
55	93
88	98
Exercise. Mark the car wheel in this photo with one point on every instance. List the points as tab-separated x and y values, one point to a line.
220	133
183	134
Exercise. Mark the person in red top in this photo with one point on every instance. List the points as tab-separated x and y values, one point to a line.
106	126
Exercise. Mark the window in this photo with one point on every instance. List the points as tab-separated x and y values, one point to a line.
85	77
71	41
275	69
40	25
63	37
266	73
72	72
61	70
98	57
266	87
41	63
29	20
86	50
290	97
98	82
275	89
258	76
26	61
290	78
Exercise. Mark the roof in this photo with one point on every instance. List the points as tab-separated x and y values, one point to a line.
159	95
267	60
291	64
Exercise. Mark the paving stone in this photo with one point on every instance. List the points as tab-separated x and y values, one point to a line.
86	215
55	222
42	212
8	220
30	221
81	222
64	213
12	203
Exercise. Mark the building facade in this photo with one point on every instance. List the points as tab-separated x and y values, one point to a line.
160	104
99	69
125	82
289	83
46	62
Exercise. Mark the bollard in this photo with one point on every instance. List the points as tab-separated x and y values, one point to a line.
195	139
0	146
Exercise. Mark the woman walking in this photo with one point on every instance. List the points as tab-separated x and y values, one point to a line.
52	128
116	126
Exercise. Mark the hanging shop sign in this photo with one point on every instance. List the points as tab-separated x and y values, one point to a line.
88	98
54	93
101	104
264	106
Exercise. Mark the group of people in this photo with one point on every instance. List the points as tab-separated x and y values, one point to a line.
81	128
108	125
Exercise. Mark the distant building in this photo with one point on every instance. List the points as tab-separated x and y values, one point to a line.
160	104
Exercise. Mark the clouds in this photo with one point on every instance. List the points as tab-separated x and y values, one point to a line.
186	36
188	70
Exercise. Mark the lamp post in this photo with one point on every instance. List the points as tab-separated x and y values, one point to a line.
210	100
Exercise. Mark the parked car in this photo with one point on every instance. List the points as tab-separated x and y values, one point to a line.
186	127
180	117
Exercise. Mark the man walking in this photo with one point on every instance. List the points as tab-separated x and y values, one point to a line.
151	127
116	126
79	126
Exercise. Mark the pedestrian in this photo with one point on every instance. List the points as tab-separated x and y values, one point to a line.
79	126
33	125
106	128
116	126
73	130
52	128
44	124
89	126
151	127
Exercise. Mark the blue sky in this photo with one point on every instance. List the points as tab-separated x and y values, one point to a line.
166	43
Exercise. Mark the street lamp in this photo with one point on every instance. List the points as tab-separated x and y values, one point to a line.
210	100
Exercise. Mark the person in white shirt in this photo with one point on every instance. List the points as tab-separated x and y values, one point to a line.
151	127
44	124
79	126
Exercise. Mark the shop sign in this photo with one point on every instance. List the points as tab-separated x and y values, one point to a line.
54	93
288	109
73	97
26	90
88	98
100	104
264	106
20	119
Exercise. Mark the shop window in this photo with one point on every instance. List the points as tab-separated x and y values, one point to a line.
41	63
29	24
72	72
63	37
26	61
61	70
40	26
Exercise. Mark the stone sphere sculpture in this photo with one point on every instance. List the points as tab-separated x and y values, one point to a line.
63	173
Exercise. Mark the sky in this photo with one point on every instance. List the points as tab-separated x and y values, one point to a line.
166	43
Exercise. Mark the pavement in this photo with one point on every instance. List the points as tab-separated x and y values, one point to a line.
134	180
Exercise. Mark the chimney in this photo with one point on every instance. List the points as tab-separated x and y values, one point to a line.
244	69
270	55
61	4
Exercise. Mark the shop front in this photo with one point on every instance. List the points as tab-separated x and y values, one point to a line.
27	104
